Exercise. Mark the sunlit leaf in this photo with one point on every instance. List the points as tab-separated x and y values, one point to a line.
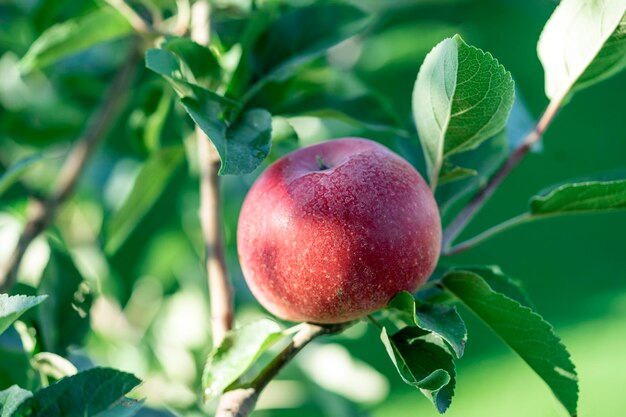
11	398
13	306
75	35
462	96
582	43
236	354
590	196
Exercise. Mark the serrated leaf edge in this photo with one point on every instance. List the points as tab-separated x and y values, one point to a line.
550	327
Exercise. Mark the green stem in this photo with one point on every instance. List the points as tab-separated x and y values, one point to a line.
462	219
489	233
374	322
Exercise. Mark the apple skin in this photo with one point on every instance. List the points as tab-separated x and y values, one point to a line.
333	243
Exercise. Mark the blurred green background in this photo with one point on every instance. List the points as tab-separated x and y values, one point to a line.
150	313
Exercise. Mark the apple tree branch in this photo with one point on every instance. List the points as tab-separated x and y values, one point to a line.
241	402
220	290
41	212
462	219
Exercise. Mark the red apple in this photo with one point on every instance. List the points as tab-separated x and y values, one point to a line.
331	232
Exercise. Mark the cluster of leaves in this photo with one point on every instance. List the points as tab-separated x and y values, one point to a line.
96	391
224	88
462	98
461	104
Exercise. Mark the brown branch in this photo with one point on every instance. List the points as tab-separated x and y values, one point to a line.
211	220
241	402
42	212
210	211
238	402
459	223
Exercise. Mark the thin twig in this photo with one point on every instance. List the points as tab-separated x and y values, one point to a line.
42	212
136	21
487	234
240	402
374	322
210	208
183	16
467	214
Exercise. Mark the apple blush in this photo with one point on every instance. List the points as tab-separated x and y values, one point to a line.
331	232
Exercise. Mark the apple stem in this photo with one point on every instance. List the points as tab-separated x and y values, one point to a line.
321	163
41	212
374	322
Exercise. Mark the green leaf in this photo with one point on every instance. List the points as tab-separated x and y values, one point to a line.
300	35
284	138
324	88
590	196
582	43
15	368
147	123
422	364
462	96
196	62
65	317
485	160
179	74
11	398
150	183
440	319
96	392
502	283
236	354
243	145
15	171
525	331
13	306
450	173
75	35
